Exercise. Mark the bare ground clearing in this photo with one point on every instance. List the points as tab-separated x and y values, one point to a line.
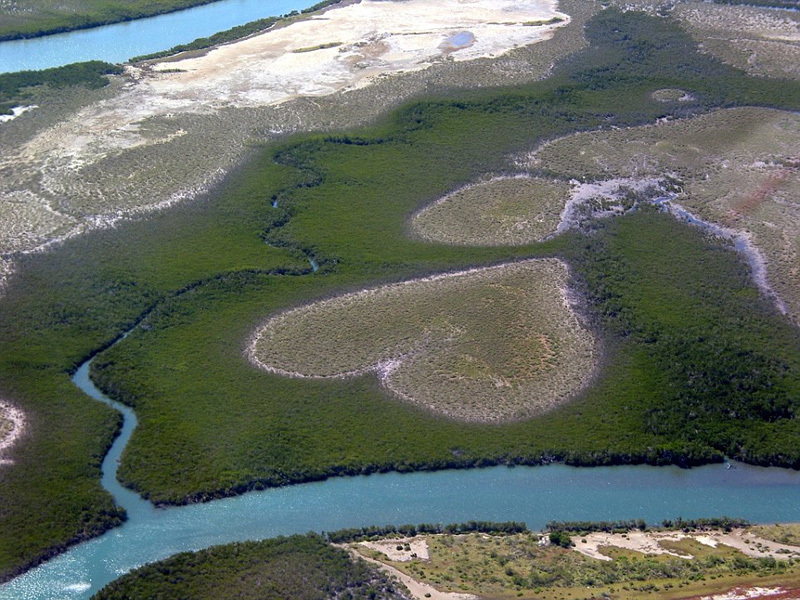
487	345
400	549
145	142
12	426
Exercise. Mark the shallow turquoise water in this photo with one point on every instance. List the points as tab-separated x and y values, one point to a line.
122	41
531	494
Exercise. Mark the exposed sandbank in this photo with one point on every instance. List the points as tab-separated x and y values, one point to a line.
15	112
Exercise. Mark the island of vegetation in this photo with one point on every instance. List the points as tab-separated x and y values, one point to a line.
488	345
684	357
297	567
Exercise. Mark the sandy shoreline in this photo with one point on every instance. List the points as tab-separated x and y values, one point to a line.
9	434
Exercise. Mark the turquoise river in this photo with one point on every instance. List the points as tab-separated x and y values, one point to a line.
531	494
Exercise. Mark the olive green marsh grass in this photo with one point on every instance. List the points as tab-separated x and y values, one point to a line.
489	345
514	210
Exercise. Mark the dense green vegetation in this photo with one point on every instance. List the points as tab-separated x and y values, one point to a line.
14	86
34	18
729	369
375	532
199	279
296	568
724	523
234	33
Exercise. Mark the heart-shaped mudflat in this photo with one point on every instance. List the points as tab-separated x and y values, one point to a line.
492	344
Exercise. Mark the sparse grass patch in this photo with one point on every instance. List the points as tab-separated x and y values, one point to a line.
6	426
511	566
672	95
501	211
490	345
783	533
762	41
325	46
23	222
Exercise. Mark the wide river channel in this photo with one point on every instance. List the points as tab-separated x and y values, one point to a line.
120	42
531	494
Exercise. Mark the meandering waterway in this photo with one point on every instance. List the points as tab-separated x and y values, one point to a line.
531	494
122	41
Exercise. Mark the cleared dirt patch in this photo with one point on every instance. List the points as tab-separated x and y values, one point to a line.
490	345
672	95
400	549
12	426
739	168
501	211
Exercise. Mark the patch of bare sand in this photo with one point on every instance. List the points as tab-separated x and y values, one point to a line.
417	546
67	167
649	542
354	43
371	38
638	541
12	426
752	593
